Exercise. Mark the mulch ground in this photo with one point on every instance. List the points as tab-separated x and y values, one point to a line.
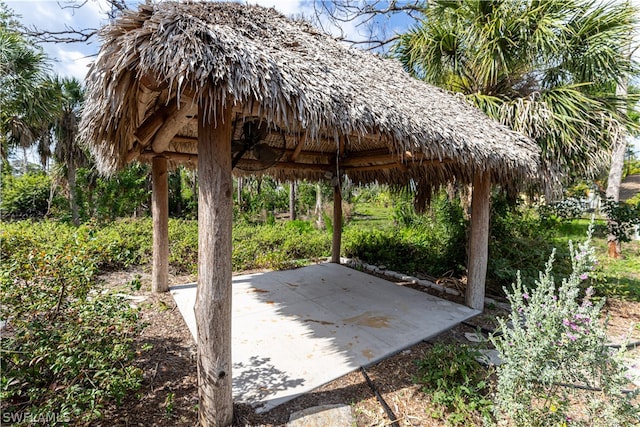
169	396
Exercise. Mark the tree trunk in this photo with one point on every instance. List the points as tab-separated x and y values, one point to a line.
160	215
318	208
178	173
73	199
478	241
615	176
213	298
292	200
337	224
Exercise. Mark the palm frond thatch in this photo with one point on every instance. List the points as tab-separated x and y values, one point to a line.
321	93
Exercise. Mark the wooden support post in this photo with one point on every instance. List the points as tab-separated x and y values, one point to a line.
213	297
160	214
478	241
292	200
337	224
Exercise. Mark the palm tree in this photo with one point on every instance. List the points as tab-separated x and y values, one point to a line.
68	151
27	98
547	68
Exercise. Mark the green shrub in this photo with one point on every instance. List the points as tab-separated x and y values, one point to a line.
554	338
25	196
433	243
278	245
457	383
67	348
623	217
520	241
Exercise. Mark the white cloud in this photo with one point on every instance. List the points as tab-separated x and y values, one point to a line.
72	63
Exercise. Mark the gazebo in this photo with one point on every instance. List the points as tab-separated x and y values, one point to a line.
231	88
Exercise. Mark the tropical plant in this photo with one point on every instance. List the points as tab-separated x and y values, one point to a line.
27	97
546	68
68	152
554	354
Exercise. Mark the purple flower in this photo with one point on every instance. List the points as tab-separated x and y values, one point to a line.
525	295
582	317
584	276
589	291
571	336
566	322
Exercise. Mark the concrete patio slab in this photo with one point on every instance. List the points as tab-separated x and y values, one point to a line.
295	330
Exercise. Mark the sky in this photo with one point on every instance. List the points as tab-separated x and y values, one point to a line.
72	59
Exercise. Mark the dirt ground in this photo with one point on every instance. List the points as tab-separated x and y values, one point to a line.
169	397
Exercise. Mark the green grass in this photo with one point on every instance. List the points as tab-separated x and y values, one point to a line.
618	278
370	215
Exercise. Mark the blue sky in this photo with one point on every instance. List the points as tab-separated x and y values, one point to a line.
72	59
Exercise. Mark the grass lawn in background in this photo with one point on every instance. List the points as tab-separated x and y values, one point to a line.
616	277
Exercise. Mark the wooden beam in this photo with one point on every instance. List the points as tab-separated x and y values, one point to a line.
374	167
172	155
213	297
296	152
172	124
479	241
145	95
150	126
249	163
160	215
337	224
368	153
358	161
152	83
314	167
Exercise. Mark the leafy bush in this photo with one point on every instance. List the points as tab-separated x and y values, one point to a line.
457	383
623	217
277	245
25	196
122	195
552	339
520	241
567	209
67	348
433	243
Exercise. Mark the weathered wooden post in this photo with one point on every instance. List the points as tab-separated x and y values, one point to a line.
213	297
160	215
292	200
337	222
479	240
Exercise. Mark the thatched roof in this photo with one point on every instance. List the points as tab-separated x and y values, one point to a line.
156	64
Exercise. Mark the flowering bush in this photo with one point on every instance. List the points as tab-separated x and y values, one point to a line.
554	341
567	209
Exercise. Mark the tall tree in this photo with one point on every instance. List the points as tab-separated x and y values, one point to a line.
546	68
68	151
